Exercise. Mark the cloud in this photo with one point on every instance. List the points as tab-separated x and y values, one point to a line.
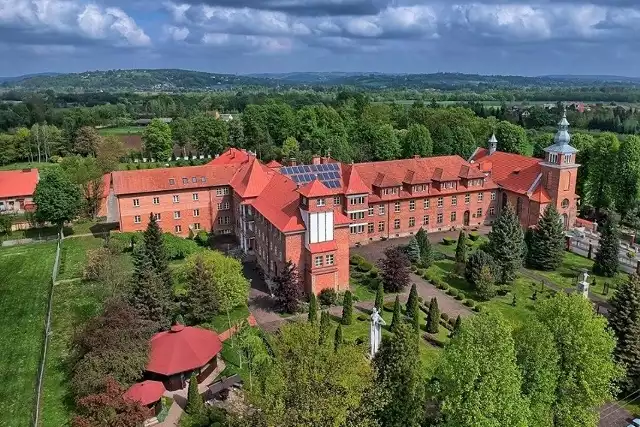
248	44
305	7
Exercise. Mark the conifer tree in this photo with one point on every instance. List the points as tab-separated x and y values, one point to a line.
153	242
325	326
506	244
415	318
413	250
195	404
148	294
337	338
607	262
546	250
379	297
461	248
426	251
396	319
456	326
433	317
624	318
412	301
347	308
313	308
200	303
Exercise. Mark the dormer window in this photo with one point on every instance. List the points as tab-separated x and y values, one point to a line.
172	181
320	202
392	190
419	188
553	157
449	184
304	201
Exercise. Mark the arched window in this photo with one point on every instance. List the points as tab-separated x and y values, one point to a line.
565	204
519	206
567	183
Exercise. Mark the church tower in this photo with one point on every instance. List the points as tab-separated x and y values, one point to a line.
559	173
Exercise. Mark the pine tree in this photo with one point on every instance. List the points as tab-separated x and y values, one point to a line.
195	404
394	269
396	319
485	285
200	303
412	301
506	243
433	317
153	242
480	272
379	297
461	248
426	251
325	327
148	294
624	318
413	250
347	308
288	290
313	308
607	262
337	339
546	250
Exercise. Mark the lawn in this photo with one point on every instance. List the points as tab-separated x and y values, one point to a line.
74	255
450	250
28	165
124	130
25	274
222	322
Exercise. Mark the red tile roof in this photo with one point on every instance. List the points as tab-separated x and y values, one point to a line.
352	182
251	179
18	183
315	188
541	195
146	392
323	247
231	156
153	180
279	202
511	171
274	164
182	349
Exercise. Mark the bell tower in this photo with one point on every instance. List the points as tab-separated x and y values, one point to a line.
559	173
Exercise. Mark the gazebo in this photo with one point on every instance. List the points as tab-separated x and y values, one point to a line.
148	393
181	351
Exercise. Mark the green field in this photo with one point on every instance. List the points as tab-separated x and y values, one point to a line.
124	130
28	165
25	274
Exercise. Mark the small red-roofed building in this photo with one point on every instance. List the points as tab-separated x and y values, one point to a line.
148	393
16	189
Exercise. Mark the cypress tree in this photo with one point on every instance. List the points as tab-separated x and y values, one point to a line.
624	318
506	243
456	326
413	250
313	308
396	319
412	301
426	251
546	250
337	339
607	262
415	318
461	248
195	404
379	296
433	317
325	327
347	308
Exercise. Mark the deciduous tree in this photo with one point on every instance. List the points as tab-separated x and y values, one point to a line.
57	200
109	152
394	268
209	134
512	138
86	141
627	181
288	288
157	140
417	141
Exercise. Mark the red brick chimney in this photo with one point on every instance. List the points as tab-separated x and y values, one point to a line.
315	160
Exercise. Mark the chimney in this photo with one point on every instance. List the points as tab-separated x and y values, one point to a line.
416	156
493	144
315	160
292	161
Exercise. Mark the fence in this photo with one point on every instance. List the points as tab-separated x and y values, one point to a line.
47	332
580	247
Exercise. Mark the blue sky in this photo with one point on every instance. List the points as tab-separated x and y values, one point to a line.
247	36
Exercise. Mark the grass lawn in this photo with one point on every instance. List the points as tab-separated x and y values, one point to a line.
25	272
450	250
222	322
74	256
28	165
124	130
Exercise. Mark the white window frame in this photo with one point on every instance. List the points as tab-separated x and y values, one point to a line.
136	203
137	219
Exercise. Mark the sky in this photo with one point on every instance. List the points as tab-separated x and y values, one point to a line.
518	37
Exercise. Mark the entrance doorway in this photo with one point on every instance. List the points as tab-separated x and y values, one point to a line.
466	218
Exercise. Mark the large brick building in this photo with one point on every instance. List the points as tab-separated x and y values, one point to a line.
312	214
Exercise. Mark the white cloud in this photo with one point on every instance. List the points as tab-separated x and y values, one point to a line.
176	33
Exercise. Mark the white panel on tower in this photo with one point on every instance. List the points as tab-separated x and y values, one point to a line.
329	222
322	230
313	228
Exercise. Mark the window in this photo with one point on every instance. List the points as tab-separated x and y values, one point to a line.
480	197
156	200
412	205
567	181
426	203
396	207
176	215
172	181
440	202
224	220
185	180
196	212
412	222
356	200
396	224
137	219
393	190
178	228
370	228
222	191
196	226
223	206
565	204
370	211
418	188
453	216
519	206
467	199
176	198
479	213
567	158
320	202
203	179
304	201
195	196
356	215
454	200
136	202
449	184
357	229
336	200
318	261
157	216
440	218
493	195
380	209
553	157
425	220
381	226
194	179
329	259
492	211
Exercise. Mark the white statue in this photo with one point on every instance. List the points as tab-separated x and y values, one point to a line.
583	284
375	335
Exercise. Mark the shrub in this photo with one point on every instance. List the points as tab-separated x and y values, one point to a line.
177	247
419	272
355	259
426	276
453	292
328	297
468	243
414	268
364	266
444	316
449	241
452	321
439	256
477	309
356	275
474	235
469	303
97	261
388	306
459	297
420	300
374	273
446	325
433	340
362	317
202	238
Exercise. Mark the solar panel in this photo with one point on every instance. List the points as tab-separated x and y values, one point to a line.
295	178
333	166
307	168
313	168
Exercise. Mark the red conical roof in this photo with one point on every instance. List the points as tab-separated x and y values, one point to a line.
146	392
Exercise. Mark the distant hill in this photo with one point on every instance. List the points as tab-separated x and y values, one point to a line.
173	80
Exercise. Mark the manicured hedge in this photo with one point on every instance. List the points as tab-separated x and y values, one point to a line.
449	241
474	235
